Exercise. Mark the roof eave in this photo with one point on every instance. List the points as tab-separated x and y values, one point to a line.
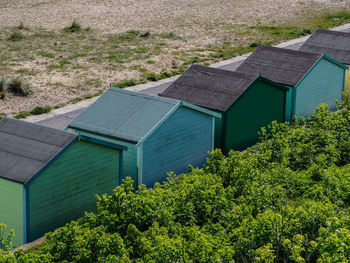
103	135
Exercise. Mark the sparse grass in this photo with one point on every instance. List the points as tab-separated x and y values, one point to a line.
170	35
21	26
19	88
126	83
40	110
22	115
15	36
75	27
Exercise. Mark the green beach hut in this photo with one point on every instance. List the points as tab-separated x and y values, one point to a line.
162	135
312	78
332	43
49	177
245	102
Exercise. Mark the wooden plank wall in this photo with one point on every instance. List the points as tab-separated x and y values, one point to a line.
67	189
184	138
11	208
258	107
323	84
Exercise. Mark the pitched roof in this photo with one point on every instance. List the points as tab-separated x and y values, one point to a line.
124	114
26	147
281	65
334	44
211	88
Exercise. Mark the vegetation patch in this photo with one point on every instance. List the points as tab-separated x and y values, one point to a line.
18	87
40	110
16	36
286	199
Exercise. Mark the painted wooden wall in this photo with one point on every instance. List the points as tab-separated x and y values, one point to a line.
218	132
347	79
11	209
183	139
129	156
323	84
256	108
67	188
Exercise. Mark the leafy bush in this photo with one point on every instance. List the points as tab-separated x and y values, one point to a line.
19	88
287	199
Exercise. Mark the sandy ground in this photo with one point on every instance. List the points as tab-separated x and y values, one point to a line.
178	15
200	22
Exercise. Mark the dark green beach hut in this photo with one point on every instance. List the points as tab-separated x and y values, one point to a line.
49	177
246	102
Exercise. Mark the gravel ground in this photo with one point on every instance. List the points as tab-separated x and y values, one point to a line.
198	22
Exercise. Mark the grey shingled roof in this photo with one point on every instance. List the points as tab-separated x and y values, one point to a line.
334	44
26	147
211	88
123	114
280	65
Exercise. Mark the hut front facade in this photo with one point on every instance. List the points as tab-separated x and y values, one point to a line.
245	102
312	78
161	135
50	177
334	44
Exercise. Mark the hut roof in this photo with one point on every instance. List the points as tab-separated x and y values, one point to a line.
211	88
334	44
25	148
281	65
124	114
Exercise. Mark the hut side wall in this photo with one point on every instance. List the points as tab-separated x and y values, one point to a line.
218	132
184	138
323	84
11	209
261	104
68	187
129	156
347	79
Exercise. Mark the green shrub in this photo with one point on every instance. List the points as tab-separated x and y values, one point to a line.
22	115
75	27
40	110
21	26
3	88
16	36
126	83
19	88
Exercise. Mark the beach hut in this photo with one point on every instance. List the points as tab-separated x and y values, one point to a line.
49	177
312	78
334	44
246	102
162	135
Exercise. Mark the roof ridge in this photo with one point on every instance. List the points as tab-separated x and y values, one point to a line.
143	95
288	51
341	33
227	72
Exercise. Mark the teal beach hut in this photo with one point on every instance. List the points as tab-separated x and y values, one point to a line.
312	78
245	102
49	177
335	44
162	135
